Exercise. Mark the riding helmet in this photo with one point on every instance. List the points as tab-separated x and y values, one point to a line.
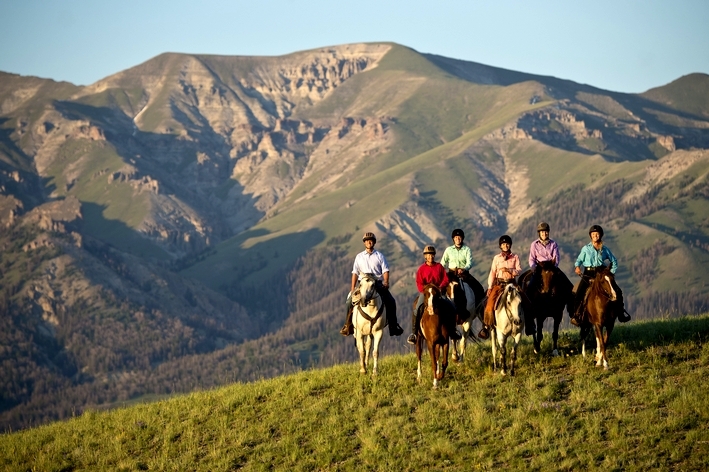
458	232
543	227
429	250
597	229
369	236
505	239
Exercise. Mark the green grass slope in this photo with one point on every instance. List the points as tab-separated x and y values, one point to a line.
648	412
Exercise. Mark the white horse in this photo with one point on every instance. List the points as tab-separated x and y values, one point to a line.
369	320
465	314
509	321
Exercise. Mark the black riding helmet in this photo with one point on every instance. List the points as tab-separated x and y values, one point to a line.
597	229
505	239
458	232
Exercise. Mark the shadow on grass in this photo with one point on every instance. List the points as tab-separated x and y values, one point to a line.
638	336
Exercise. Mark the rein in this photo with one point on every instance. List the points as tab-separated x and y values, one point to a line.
369	318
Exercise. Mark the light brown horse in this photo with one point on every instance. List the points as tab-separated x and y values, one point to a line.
600	313
435	328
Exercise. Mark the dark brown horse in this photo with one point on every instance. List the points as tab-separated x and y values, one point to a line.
600	312
549	292
435	327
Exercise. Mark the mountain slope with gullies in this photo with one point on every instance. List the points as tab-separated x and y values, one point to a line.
208	207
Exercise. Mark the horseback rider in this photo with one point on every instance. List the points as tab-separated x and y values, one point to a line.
505	267
459	259
430	272
543	249
592	256
372	262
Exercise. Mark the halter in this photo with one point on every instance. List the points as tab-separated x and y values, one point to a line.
371	320
507	311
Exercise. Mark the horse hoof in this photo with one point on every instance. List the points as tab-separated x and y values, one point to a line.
503	373
555	353
535	351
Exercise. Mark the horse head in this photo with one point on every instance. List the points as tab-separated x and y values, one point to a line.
367	288
604	282
513	303
431	296
545	275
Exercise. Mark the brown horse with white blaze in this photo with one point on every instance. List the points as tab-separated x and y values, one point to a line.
435	328
600	313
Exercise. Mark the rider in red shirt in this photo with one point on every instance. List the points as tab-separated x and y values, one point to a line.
430	272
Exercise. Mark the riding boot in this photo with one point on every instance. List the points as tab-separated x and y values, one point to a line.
415	319
348	329
448	308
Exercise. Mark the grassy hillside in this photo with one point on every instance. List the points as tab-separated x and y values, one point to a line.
647	413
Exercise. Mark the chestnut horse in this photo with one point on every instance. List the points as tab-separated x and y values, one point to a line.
509	321
369	319
600	313
552	292
435	328
464	300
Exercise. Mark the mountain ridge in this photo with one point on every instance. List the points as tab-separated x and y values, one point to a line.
217	201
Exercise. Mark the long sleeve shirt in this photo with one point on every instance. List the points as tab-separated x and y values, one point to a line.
539	252
500	262
592	257
433	274
457	258
366	263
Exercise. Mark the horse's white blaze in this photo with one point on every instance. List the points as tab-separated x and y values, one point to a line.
429	304
613	295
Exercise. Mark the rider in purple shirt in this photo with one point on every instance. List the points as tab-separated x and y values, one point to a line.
543	248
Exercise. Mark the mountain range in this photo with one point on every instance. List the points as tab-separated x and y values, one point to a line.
192	220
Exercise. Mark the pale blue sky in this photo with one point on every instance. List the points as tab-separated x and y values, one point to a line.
627	46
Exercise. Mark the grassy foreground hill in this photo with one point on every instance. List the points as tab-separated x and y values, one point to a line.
647	413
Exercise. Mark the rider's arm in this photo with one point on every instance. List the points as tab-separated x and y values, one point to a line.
491	277
612	259
419	279
468	256
354	282
555	253
385	276
444	278
532	256
516	269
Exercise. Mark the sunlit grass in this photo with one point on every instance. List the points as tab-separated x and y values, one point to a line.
648	411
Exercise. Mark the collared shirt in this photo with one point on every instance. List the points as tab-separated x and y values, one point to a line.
592	257
539	252
499	262
457	258
366	263
433	274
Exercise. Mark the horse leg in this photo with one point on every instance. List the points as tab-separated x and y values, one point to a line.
360	348
516	339
419	351
503	352
538	335
367	349
464	340
375	350
444	361
606	337
555	334
493	343
433	353
599	344
582	335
